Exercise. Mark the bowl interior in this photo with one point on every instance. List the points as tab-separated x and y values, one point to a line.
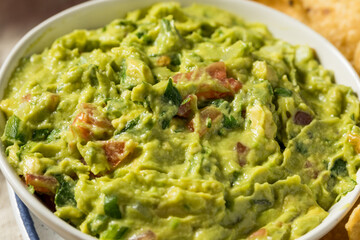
97	13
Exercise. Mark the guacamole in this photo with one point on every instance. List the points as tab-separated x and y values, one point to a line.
182	123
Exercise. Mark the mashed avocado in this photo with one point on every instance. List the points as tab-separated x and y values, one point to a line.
182	123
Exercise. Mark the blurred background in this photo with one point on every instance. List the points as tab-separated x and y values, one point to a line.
19	16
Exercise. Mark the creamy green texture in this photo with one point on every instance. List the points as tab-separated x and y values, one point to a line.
182	123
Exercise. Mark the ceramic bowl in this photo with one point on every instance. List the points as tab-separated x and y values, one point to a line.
94	14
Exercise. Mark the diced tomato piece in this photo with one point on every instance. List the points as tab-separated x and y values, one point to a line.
217	71
209	119
242	151
259	233
114	152
186	108
117	151
191	126
42	184
54	102
186	76
91	124
148	235
26	97
233	84
355	141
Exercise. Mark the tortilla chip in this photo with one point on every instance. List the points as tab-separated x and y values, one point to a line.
353	225
356	60
338	21
293	8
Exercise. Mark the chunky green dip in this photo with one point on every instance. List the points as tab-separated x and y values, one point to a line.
182	123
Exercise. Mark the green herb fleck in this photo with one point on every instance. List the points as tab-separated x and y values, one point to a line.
235	177
175	59
115	231
145	37
352	116
54	135
111	207
165	123
13	129
98	223
283	92
65	193
339	168
229	122
92	75
122	72
40	134
130	124
140	34
172	95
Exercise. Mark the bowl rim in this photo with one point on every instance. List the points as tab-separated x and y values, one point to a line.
43	213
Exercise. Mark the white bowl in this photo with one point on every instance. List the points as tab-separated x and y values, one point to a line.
96	14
